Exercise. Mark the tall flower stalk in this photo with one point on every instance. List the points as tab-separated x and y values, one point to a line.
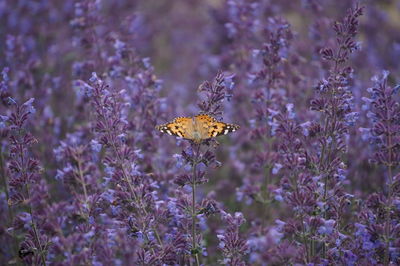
215	94
25	171
195	162
111	125
385	114
335	102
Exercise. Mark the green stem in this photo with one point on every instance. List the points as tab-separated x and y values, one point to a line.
387	216
82	180
389	197
306	244
14	246
5	185
194	216
35	231
24	173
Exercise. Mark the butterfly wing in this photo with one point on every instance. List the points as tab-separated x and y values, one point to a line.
180	127
209	127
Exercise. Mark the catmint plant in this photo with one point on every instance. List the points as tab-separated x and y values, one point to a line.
335	102
26	189
119	161
198	159
383	135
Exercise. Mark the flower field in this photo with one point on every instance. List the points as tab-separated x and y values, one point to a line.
189	132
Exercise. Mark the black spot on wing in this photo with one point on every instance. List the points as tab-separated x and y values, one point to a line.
163	129
222	129
170	130
231	128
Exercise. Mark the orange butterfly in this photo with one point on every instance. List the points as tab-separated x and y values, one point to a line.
197	128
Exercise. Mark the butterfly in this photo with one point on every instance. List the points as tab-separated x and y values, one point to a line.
197	128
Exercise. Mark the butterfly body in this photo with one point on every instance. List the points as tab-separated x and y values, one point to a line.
197	128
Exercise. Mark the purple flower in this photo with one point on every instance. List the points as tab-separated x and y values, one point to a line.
327	227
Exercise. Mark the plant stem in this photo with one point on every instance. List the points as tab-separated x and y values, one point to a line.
194	216
14	246
35	231
389	184
82	180
387	215
305	241
24	173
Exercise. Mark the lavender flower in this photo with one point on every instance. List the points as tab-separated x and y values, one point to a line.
24	185
385	124
233	247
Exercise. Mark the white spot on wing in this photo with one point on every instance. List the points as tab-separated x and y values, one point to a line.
169	132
